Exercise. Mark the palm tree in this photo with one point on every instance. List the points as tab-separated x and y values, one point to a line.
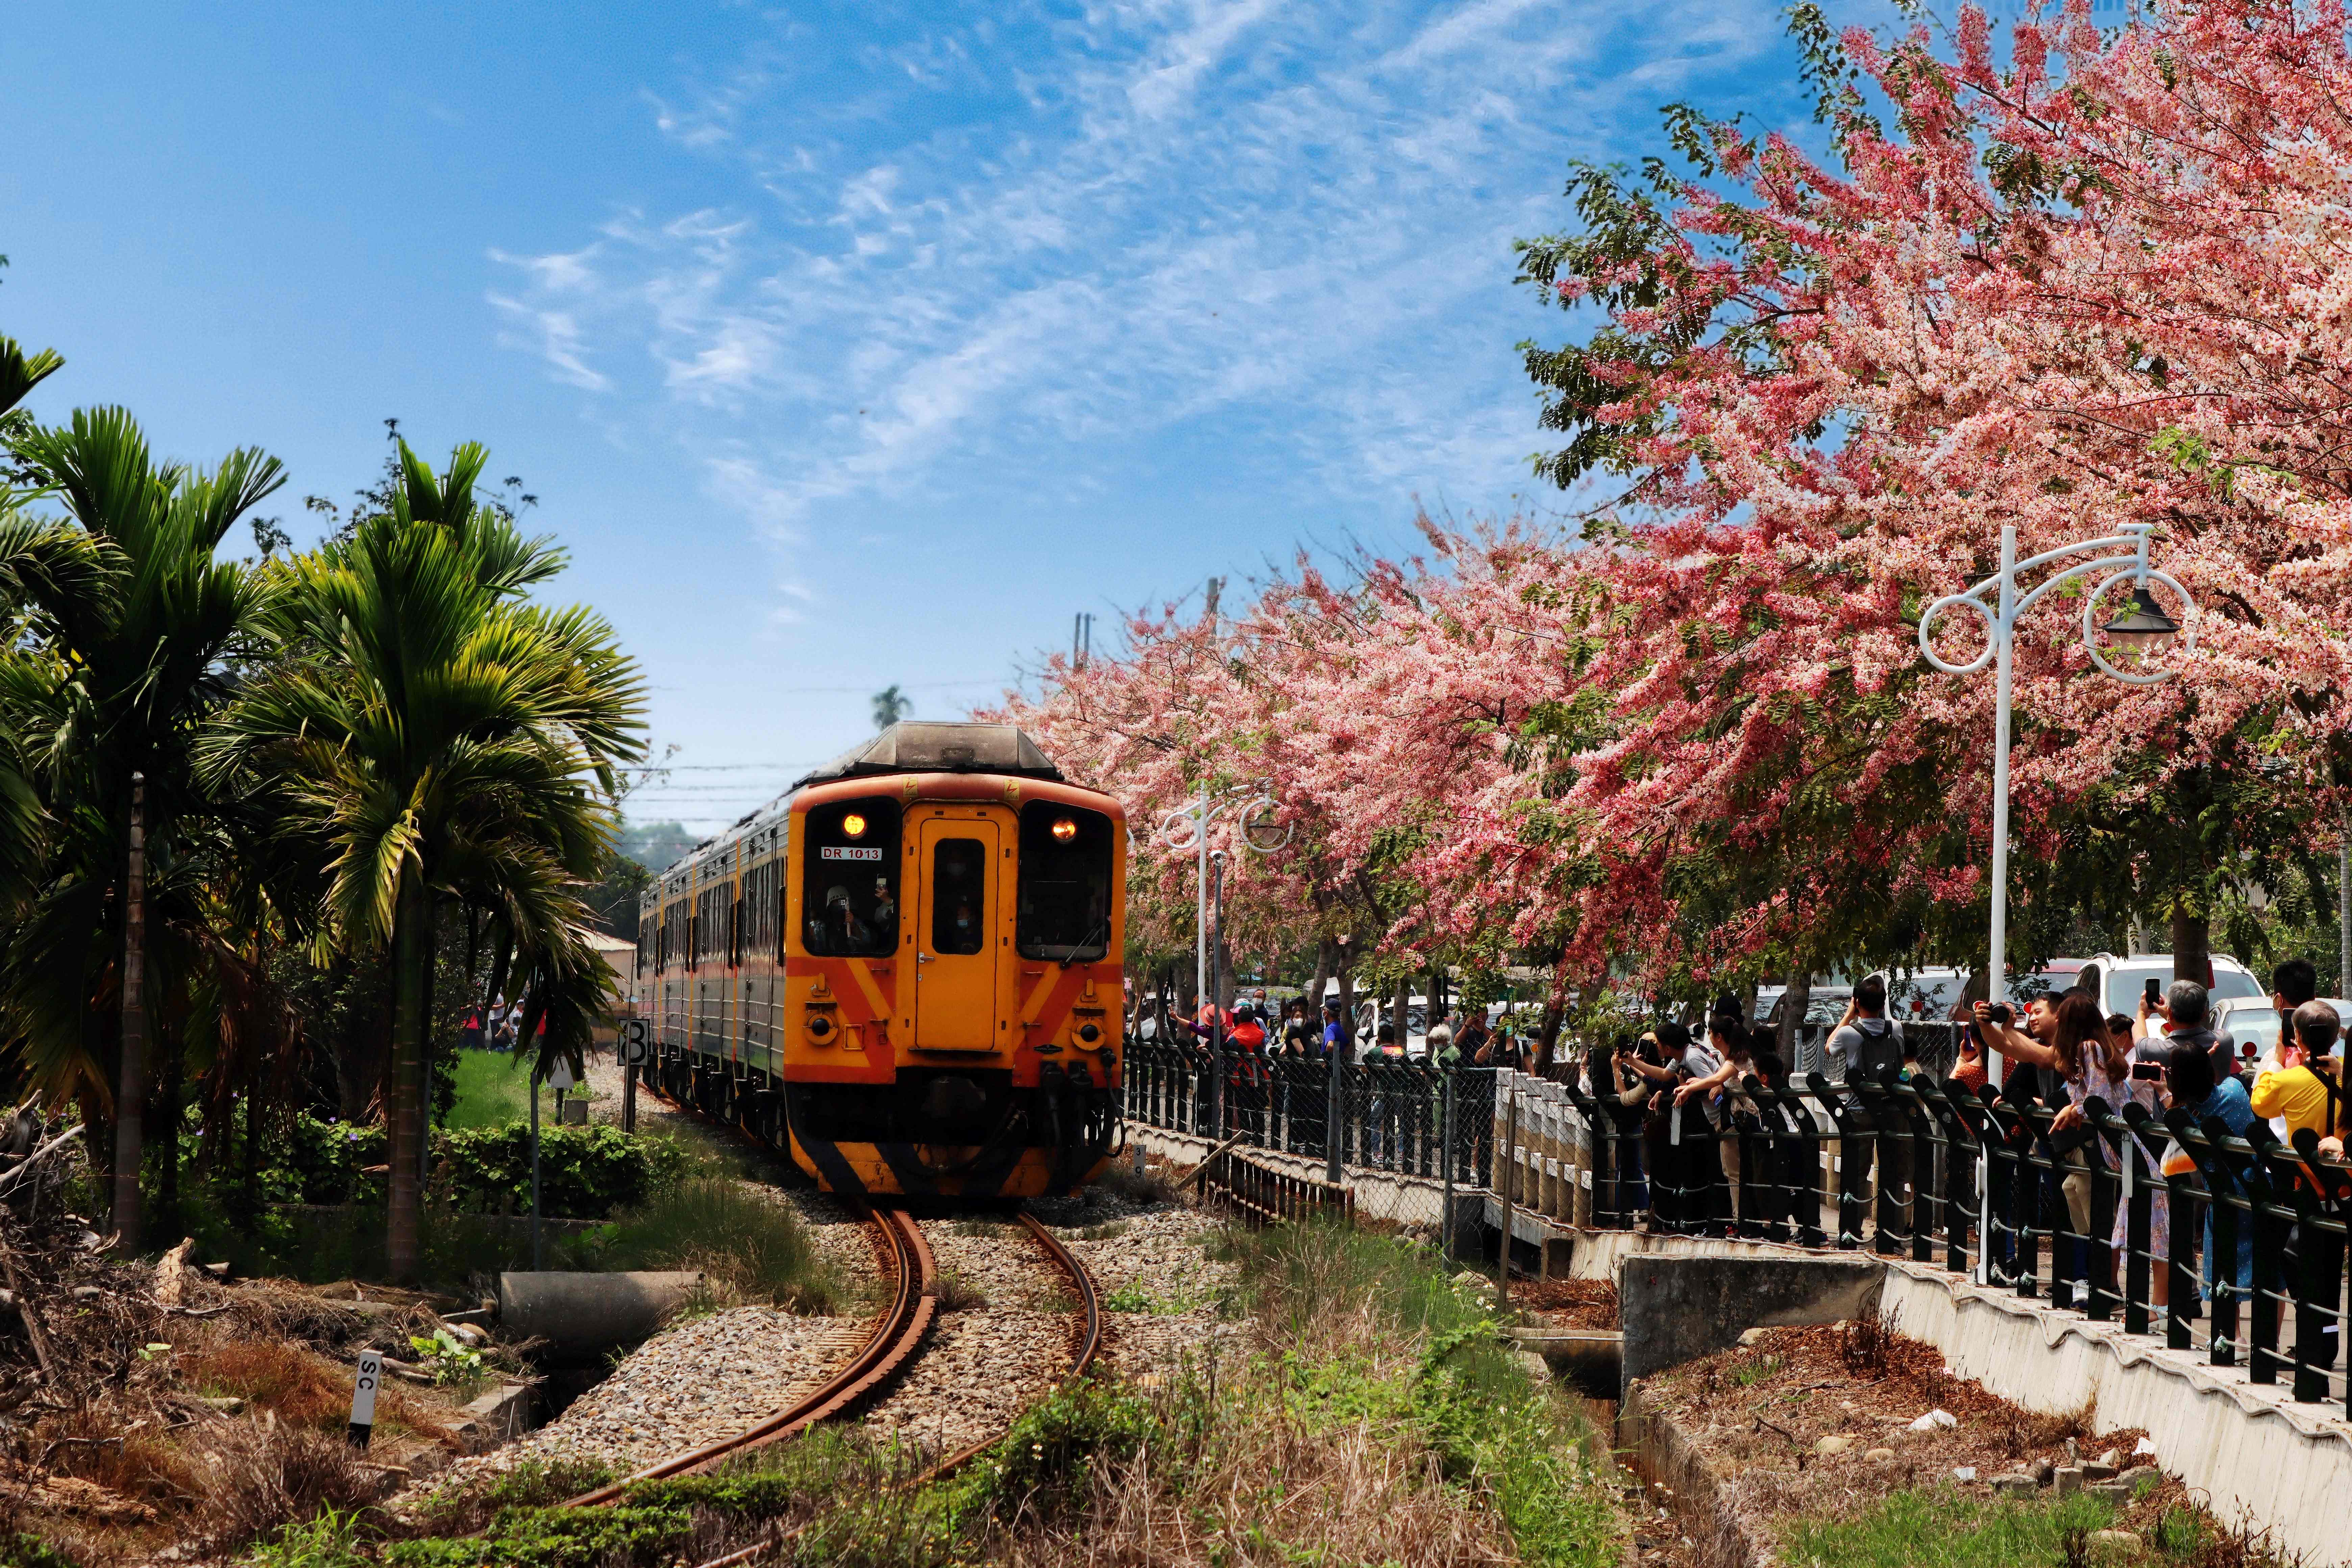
890	705
125	644
456	745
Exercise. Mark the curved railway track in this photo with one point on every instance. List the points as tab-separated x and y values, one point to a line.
897	1336
896	1339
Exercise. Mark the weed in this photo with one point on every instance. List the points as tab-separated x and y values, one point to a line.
753	1248
18	1550
958	1294
451	1359
1149	1190
1041	1468
330	1539
1749	1373
555	1538
464	1509
1944	1527
1863	1343
1105	1232
267	1481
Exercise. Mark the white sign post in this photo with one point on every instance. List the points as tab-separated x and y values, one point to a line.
363	1387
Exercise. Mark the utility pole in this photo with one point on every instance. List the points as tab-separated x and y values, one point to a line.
1082	639
130	1093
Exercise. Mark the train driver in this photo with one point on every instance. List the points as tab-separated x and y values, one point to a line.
885	911
840	931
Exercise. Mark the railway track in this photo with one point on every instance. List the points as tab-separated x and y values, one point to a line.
896	1339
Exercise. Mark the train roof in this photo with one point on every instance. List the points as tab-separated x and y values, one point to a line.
912	747
907	747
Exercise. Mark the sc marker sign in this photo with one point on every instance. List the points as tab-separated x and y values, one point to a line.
363	1387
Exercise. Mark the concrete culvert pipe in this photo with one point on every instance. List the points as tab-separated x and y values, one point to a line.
588	1314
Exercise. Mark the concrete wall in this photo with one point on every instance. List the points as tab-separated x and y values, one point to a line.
1675	1309
2256	1456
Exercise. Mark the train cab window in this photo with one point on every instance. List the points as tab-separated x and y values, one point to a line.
1066	869
849	880
958	895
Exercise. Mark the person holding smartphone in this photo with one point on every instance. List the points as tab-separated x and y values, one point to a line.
2143	1063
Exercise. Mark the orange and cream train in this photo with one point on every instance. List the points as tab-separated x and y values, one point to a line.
907	971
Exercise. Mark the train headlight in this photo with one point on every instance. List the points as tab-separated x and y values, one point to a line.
1088	1034
853	827
1065	829
819	1027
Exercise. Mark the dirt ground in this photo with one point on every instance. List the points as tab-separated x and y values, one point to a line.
1815	1423
1566	1303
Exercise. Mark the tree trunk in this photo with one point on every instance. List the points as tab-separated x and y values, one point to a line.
2192	945
252	1199
1315	987
405	1083
130	1085
1793	1003
169	1114
1346	1008
1548	1037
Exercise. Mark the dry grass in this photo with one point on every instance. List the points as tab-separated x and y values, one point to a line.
1259	1485
264	1479
300	1388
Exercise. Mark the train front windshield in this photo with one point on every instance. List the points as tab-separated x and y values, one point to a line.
849	880
1065	872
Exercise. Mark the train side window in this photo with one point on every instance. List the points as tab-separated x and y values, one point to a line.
1065	872
958	895
849	879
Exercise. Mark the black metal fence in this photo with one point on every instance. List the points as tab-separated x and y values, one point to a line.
2164	1222
1392	1115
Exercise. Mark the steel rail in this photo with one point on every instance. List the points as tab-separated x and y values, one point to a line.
1090	1346
898	1333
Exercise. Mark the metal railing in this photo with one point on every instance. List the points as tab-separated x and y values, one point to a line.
2122	1216
1262	1195
1392	1114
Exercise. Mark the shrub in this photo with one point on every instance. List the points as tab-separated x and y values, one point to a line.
557	1538
463	1508
18	1550
585	1172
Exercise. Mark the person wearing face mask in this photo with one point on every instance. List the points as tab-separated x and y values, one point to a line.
966	927
2189	1081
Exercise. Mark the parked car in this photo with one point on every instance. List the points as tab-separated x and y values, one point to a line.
2249	1023
2119	982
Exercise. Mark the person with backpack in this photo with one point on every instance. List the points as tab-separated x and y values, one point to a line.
1866	1041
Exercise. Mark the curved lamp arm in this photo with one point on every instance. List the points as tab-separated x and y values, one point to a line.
2000	622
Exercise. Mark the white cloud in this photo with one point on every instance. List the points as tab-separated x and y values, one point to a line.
1024	247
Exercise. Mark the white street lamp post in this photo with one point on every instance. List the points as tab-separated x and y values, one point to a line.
1187	828
2140	628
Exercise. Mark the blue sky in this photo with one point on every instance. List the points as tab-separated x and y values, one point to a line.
843	345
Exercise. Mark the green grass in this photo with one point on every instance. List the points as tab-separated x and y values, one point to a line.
1377	1416
1952	1531
493	1088
753	1248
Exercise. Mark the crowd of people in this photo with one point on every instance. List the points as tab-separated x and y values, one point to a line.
1701	1123
1251	1036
